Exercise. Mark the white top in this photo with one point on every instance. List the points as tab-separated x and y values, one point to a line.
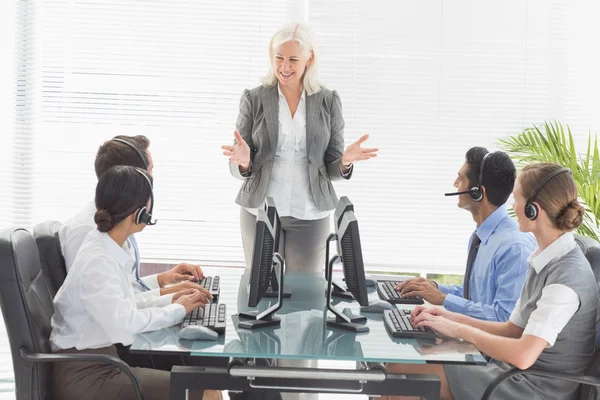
557	304
289	185
71	235
96	306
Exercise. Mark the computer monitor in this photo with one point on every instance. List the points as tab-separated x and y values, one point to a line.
273	215
263	261
344	204
350	252
339	287
349	248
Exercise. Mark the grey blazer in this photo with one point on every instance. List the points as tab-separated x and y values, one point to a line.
258	123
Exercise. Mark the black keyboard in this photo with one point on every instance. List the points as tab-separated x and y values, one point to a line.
212	316
388	293
211	283
399	325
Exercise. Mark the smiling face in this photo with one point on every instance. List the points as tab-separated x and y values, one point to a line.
461	183
289	63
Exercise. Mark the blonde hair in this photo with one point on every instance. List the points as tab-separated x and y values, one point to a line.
302	34
558	197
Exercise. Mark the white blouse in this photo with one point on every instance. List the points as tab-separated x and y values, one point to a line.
289	185
96	306
71	235
558	303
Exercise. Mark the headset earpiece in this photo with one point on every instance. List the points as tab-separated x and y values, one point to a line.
477	191
476	194
142	216
531	211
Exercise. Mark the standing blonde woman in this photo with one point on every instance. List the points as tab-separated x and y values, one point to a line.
289	145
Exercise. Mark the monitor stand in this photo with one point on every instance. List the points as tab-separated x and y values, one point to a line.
273	290
340	289
254	319
345	319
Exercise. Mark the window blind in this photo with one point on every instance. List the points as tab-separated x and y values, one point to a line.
12	42
427	80
171	71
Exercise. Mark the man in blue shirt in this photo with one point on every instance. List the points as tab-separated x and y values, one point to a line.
497	262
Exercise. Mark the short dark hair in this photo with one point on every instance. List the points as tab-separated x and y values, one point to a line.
112	153
499	174
120	191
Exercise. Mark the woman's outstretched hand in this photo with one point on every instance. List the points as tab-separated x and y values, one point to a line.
356	153
239	152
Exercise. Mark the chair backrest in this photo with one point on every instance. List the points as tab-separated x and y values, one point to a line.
53	263
27	310
591	249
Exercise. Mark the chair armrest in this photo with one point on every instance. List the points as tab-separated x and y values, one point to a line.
583	379
54	357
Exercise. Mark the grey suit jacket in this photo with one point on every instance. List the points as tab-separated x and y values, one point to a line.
258	123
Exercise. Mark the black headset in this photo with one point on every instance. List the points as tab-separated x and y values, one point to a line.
134	147
476	192
143	216
531	210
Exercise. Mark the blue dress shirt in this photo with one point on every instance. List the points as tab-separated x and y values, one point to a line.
498	272
136	251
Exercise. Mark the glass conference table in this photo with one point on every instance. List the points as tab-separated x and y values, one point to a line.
302	335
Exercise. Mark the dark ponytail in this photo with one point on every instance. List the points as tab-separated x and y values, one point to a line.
120	191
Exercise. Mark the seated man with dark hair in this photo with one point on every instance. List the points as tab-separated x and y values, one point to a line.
129	151
497	258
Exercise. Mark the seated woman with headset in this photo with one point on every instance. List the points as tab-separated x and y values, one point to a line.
96	308
553	325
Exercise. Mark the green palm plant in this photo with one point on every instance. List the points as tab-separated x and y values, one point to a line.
553	144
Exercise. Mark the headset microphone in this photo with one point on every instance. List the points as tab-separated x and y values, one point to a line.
476	192
457	193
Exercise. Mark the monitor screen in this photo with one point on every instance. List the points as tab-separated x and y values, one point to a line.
349	249
262	259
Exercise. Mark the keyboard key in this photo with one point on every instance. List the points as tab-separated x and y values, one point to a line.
212	316
387	292
211	283
399	325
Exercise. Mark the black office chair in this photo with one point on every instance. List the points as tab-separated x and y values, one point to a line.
27	309
53	263
591	380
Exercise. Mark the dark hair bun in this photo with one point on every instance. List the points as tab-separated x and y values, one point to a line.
570	217
104	220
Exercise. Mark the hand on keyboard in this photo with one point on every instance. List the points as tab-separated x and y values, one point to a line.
442	312
388	293
191	301
180	273
445	326
423	288
185	286
205	300
400	325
